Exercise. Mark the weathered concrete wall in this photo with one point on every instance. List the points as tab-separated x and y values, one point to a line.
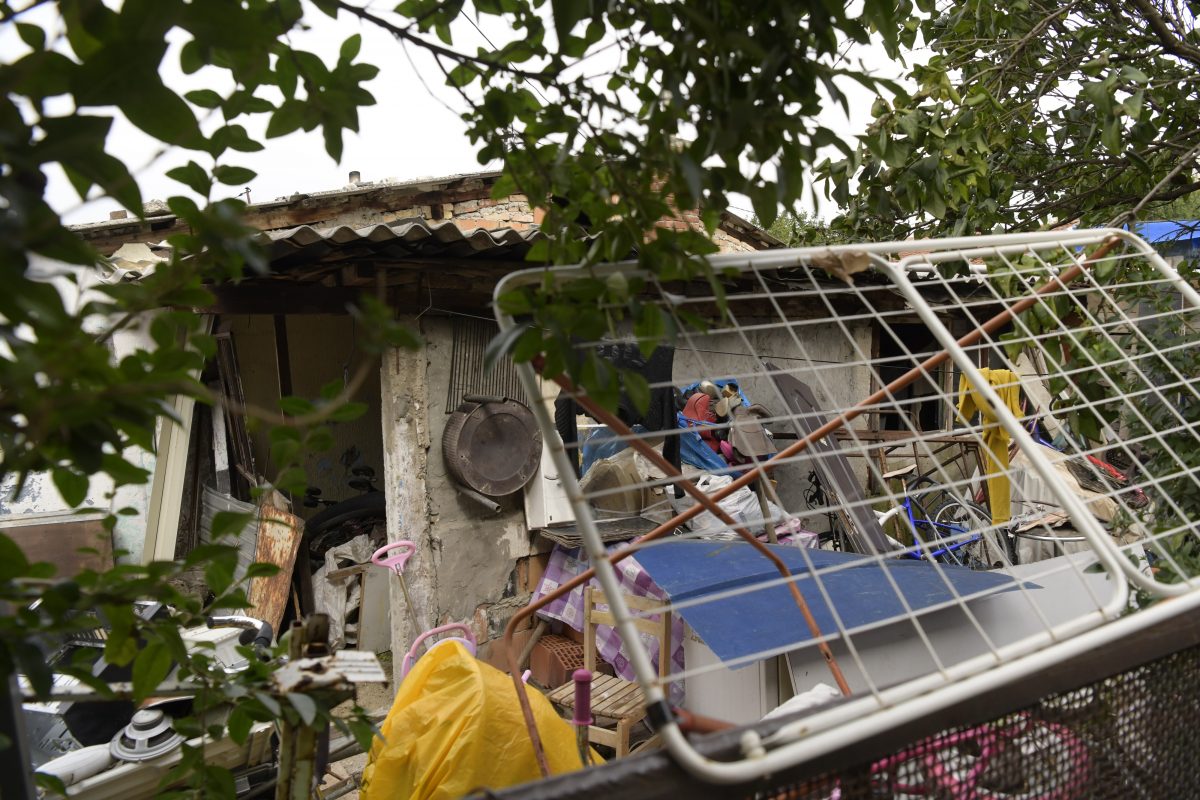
472	565
466	567
477	549
405	429
834	384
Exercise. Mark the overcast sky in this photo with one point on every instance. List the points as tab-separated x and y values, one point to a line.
413	130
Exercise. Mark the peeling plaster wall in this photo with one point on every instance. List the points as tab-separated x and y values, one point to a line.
477	548
405	429
466	566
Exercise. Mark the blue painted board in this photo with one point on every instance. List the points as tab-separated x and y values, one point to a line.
768	618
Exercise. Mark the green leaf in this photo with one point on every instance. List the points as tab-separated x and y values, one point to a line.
498	347
193	176
150	669
72	485
239	724
32	35
350	48
233	176
649	328
205	98
50	784
348	412
295	406
515	302
161	113
261	570
288	117
229	523
304	705
233	137
462	75
12	559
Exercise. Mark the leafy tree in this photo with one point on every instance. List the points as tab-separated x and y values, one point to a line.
800	228
1034	114
1030	114
607	116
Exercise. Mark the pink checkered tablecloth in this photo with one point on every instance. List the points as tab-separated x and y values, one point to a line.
566	563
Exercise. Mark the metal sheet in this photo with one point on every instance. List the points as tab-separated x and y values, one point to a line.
278	539
767	618
401	239
864	530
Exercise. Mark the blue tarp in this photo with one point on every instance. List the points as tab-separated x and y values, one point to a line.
761	620
1176	237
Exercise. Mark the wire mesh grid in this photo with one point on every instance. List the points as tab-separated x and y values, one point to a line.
904	475
1129	734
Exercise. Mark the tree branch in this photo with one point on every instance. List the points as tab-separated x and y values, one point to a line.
1170	42
1132	213
409	36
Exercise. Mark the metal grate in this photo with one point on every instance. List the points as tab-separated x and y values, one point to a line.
1129	734
467	372
950	581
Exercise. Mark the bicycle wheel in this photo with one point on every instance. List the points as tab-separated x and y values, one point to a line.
1028	760
325	529
931	493
957	521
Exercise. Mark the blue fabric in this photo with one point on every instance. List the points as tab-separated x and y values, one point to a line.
694	452
603	443
758	621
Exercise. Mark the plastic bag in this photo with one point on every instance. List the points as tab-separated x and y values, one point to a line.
456	727
339	599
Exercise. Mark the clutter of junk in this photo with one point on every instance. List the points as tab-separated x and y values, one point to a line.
449	706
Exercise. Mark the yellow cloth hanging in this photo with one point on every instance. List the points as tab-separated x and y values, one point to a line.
995	438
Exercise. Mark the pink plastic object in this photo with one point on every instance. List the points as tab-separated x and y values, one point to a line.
467	639
583	697
583	714
396	561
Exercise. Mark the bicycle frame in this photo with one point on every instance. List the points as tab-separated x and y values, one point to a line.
916	551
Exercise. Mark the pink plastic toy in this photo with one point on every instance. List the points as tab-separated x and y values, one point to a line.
395	562
467	639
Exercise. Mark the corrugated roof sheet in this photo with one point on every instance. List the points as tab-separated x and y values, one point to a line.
405	238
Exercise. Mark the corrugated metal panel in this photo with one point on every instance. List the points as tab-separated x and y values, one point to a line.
469	375
213	502
402	239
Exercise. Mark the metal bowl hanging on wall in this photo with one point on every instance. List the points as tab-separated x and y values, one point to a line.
492	445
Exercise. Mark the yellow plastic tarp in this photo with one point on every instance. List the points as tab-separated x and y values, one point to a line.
456	727
995	438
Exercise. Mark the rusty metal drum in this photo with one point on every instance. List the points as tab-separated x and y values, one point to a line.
492	445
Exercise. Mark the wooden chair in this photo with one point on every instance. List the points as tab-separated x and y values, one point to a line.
617	704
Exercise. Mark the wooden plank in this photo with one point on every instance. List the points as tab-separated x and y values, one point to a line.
339	575
615	699
374	612
563	696
59	542
278	539
634	706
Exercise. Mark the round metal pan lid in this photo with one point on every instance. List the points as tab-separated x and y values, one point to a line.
492	445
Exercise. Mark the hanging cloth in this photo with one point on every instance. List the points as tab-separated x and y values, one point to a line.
995	438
